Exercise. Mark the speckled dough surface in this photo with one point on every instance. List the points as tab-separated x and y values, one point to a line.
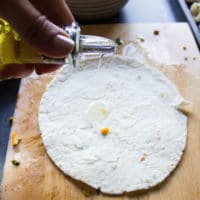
147	134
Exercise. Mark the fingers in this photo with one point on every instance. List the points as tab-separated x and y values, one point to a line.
44	36
15	71
56	11
21	71
45	68
39	31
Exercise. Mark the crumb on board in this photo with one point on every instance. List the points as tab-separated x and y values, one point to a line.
147	181
14	139
15	162
98	191
119	41
10	119
156	32
105	131
87	192
185	58
143	157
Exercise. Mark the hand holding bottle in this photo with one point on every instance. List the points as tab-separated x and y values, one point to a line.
38	24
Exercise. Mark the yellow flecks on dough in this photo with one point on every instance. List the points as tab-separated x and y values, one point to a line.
97	112
105	131
158	135
14	139
143	157
104	111
162	94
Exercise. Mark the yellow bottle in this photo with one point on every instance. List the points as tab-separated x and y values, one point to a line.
13	49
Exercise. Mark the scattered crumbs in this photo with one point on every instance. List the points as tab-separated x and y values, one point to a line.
105	131
86	192
184	48
194	58
162	94
139	77
185	58
98	191
15	162
143	157
14	139
156	32
10	119
119	41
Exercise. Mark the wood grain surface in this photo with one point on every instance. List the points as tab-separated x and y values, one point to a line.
37	178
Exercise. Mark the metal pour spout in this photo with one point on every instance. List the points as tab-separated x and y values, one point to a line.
84	45
96	44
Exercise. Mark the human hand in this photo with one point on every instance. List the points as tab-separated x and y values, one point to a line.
37	23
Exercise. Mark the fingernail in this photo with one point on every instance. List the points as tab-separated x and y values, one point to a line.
63	44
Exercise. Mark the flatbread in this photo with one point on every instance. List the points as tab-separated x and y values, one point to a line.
136	104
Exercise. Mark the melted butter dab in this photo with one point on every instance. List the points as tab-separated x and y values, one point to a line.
105	131
97	112
104	111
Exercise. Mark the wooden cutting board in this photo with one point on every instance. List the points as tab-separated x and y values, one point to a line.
37	178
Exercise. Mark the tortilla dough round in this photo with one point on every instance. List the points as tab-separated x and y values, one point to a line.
146	134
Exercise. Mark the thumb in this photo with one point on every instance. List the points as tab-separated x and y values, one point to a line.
43	36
